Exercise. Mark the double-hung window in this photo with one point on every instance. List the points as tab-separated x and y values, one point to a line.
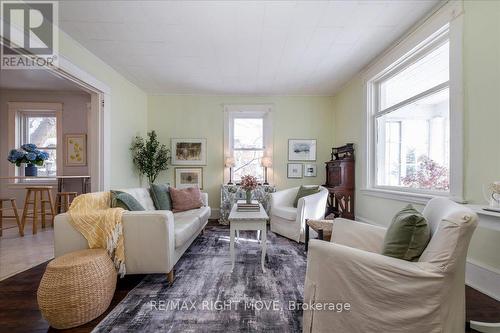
39	124
248	139
410	117
40	128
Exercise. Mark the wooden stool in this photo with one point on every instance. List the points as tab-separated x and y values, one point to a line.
63	200
13	207
38	202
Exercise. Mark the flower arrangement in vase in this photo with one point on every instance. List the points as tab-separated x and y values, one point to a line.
29	155
248	183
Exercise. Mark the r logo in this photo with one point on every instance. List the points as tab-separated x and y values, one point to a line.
29	31
28	27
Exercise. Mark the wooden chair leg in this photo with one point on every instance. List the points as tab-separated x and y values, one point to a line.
1	218
42	210
16	214
35	210
170	276
52	208
25	209
66	204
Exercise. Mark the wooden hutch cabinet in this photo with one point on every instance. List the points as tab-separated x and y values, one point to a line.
340	182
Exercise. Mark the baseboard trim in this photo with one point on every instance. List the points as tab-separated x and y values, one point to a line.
478	276
483	278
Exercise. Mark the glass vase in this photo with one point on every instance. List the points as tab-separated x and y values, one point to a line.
249	196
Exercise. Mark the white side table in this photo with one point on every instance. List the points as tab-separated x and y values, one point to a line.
248	221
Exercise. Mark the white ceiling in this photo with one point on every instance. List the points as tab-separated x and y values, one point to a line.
239	47
35	79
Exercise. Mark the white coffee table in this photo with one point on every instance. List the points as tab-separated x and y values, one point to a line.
248	221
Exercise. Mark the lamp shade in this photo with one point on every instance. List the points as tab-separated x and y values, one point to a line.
229	162
266	162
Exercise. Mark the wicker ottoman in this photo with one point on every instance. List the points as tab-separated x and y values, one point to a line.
76	288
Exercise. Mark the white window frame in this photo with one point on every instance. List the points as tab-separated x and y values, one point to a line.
16	110
232	111
444	24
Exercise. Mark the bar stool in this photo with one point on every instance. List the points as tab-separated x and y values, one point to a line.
38	202
13	207
63	200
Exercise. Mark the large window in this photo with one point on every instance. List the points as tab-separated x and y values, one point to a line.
248	147
248	139
40	128
39	123
410	120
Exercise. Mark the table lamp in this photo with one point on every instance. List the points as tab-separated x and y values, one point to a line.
266	162
229	163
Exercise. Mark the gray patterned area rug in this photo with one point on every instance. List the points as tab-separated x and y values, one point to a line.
207	297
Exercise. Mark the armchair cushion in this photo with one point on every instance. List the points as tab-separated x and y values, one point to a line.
304	192
407	236
287	213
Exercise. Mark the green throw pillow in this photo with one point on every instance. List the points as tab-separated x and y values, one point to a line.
407	236
125	201
304	192
161	197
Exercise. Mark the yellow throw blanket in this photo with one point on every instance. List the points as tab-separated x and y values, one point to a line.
91	214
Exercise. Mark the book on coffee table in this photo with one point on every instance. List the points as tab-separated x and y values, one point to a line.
243	206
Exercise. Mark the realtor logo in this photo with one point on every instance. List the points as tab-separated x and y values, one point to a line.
29	31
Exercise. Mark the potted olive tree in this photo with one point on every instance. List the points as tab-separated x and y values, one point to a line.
149	156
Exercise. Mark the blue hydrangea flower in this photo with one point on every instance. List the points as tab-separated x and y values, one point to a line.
43	155
31	156
29	147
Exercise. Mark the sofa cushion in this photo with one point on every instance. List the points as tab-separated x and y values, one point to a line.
142	195
185	226
202	213
304	192
161	197
287	213
125	201
185	199
407	236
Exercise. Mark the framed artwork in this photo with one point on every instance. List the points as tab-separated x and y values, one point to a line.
189	177
309	170
76	149
189	151
295	170
302	149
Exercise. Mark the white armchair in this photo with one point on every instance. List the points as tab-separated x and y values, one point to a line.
289	221
388	294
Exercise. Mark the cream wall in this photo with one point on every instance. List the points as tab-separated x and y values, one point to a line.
183	116
128	109
481	121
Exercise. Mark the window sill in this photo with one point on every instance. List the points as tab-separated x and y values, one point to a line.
411	197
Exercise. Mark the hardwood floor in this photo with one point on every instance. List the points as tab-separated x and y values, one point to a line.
19	309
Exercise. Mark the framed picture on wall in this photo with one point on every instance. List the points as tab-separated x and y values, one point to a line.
189	151
302	149
76	149
309	170
295	170
189	177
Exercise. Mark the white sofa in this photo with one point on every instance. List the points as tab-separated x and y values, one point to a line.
154	240
289	221
387	294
